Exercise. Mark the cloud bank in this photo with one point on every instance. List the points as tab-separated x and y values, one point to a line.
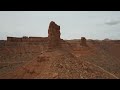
113	22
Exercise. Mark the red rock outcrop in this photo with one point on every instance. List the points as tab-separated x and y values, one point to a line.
26	39
53	35
83	41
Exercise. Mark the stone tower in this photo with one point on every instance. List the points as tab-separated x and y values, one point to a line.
53	35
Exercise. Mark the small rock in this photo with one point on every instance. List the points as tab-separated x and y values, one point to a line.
54	75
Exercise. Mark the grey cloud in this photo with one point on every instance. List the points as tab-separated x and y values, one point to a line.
112	22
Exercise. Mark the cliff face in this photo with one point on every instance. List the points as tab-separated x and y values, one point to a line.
53	35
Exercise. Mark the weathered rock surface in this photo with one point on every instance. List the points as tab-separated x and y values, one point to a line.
53	35
83	41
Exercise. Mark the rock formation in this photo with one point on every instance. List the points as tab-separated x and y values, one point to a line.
83	41
26	39
53	35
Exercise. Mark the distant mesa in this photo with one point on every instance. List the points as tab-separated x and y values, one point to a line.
53	38
27	39
106	39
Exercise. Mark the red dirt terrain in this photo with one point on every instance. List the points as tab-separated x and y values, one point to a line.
55	58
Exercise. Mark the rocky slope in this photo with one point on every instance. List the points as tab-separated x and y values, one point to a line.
57	64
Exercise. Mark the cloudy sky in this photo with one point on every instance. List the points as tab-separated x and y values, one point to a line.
74	24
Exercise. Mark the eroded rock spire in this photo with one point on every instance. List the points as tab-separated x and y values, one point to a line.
54	35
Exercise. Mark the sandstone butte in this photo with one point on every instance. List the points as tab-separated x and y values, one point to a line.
54	35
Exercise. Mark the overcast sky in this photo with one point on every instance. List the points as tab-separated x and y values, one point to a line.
74	24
